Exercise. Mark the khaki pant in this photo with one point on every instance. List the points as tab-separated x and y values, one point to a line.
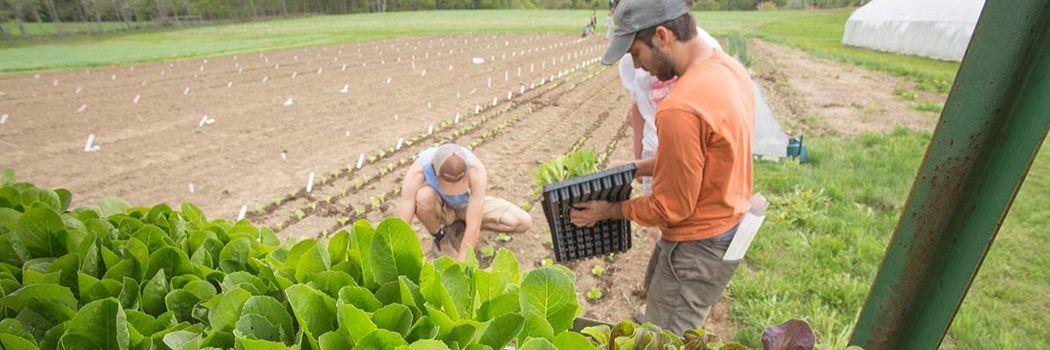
497	215
685	279
494	210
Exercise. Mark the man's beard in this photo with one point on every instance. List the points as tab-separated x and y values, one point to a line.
663	67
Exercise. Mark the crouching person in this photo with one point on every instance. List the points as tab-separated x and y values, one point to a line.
445	189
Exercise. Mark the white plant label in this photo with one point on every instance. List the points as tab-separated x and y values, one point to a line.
229	84
344	68
295	74
361	161
319	70
82	108
54	82
240	70
186	91
136	99
495	101
77	91
310	183
284	156
400	141
113	77
190	187
289	102
346	89
456	121
388	80
265	78
3	119
477	109
206	121
244	210
430	130
89	147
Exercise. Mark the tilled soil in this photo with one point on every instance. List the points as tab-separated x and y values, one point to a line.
146	118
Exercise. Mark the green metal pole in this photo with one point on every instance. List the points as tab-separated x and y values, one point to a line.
994	122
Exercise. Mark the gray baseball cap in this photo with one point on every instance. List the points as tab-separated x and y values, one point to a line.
632	16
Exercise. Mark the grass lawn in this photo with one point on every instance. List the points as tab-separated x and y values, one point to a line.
827	230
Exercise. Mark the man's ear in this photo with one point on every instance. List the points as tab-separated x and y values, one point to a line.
663	37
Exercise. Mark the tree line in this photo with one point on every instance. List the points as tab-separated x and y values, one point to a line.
121	14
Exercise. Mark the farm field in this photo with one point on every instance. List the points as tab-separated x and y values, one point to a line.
247	130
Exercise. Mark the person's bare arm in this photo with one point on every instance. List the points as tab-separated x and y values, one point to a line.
413	180
638	128
475	207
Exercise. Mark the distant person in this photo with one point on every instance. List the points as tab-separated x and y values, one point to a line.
701	185
445	189
594	18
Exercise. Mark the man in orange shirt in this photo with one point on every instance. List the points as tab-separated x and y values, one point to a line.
702	169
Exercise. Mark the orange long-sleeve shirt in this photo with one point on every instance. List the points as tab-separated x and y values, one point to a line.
702	177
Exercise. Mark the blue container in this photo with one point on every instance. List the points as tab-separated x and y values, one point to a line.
796	149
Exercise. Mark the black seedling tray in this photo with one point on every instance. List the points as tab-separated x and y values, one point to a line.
607	236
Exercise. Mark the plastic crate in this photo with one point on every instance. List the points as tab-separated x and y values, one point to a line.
607	236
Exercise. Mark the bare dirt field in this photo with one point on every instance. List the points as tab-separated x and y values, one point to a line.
248	130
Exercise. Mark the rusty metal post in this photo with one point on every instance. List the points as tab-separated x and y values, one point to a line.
993	124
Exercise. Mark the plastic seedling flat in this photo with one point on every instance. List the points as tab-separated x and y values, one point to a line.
571	242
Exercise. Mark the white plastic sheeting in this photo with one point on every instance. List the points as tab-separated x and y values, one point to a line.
939	29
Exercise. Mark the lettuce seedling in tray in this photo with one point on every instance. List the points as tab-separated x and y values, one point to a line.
607	236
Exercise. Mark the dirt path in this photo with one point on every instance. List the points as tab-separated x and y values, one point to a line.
818	96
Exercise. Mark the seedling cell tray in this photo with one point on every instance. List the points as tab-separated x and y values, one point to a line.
607	236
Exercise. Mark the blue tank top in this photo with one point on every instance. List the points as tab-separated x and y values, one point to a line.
458	201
